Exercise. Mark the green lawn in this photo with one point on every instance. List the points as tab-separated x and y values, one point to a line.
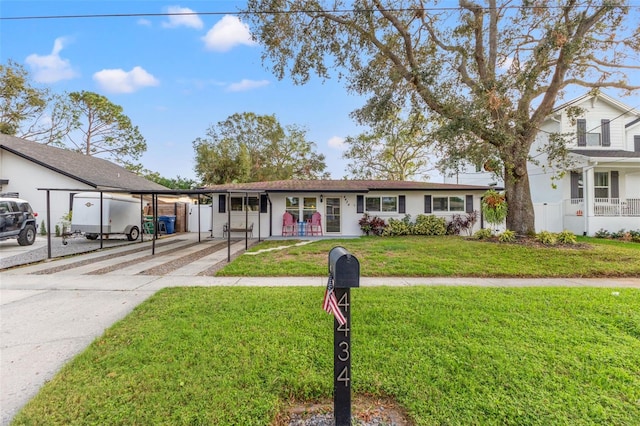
449	356
445	257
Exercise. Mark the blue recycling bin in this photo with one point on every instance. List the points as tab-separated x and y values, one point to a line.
169	223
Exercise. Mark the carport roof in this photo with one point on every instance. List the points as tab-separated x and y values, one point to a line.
92	171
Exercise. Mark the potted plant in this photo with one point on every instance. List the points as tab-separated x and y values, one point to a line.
494	207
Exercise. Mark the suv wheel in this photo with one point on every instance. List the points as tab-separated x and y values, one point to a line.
27	236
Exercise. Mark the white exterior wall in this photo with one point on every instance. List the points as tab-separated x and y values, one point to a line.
25	177
349	227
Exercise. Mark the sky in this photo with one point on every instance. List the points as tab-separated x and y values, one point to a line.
174	76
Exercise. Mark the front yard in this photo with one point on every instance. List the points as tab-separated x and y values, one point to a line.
463	355
458	356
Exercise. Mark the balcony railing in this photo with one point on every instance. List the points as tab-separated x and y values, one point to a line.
605	207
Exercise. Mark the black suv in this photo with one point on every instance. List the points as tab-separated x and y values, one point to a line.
17	220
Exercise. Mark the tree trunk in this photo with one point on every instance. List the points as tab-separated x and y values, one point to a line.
520	214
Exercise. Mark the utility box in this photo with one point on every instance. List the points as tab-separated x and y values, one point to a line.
344	267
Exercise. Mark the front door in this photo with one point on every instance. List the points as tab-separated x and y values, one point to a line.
332	215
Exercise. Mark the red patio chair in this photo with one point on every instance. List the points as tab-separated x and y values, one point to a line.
288	225
315	226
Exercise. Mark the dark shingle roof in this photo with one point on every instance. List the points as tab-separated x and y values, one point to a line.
606	153
96	172
342	186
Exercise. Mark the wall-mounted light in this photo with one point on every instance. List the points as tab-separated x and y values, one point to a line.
320	197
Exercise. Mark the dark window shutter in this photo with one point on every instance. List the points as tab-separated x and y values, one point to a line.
636	143
263	203
582	132
222	203
360	204
402	204
469	204
575	179
606	133
427	203
615	186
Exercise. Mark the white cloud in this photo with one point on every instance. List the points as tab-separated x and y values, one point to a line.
228	33
505	63
51	68
244	85
191	21
144	22
120	81
336	142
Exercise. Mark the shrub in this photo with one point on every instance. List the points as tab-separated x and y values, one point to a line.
602	233
429	225
58	230
547	238
371	225
397	227
618	235
483	234
507	236
43	229
462	223
566	237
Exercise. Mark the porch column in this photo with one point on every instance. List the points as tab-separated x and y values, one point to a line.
588	193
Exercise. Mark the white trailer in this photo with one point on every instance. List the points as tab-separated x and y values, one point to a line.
121	214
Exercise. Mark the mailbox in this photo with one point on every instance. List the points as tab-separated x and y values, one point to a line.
344	267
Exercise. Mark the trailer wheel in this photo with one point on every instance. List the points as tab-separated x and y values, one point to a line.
92	236
133	234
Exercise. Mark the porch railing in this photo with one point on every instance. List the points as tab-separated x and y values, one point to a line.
605	207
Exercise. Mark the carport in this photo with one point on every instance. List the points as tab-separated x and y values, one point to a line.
153	194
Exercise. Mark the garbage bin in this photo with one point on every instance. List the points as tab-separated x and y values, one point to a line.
169	222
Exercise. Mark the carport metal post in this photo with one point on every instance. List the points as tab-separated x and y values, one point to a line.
49	224
199	218
154	207
228	201
101	218
246	220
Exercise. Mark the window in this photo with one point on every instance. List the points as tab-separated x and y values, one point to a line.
593	139
292	205
309	207
601	184
381	204
448	204
239	204
302	211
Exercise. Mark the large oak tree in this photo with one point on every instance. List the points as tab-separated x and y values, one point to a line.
491	70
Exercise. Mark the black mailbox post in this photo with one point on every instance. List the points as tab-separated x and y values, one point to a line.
344	269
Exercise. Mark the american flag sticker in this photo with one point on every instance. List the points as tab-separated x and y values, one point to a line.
330	303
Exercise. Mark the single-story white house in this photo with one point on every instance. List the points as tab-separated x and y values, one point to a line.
601	189
340	204
26	166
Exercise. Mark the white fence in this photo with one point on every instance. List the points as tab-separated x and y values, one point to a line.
604	207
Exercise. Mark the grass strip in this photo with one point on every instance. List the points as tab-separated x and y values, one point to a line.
230	356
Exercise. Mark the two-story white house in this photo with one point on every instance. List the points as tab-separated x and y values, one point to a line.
601	188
